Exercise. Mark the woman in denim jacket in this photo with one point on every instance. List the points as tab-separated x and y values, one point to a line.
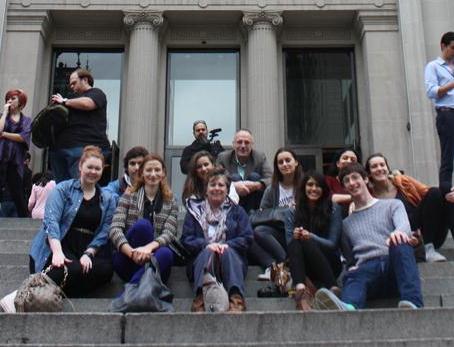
75	232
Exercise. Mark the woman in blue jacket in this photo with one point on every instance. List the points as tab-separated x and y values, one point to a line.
74	232
215	225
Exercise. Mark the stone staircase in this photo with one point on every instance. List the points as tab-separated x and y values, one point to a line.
268	321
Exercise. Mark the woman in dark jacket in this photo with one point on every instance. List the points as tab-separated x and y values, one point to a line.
314	248
15	131
215	225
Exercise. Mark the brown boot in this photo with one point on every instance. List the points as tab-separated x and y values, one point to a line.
237	303
304	300
197	304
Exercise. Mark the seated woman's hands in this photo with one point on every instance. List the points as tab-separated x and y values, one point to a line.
85	263
59	259
299	233
141	255
218	247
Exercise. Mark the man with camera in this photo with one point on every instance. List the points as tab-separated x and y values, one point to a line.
201	143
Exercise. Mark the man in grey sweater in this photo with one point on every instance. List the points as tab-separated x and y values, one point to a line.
377	243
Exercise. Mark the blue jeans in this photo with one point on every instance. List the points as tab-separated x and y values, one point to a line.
140	234
233	269
395	275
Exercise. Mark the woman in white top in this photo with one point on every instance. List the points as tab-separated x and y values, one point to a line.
270	242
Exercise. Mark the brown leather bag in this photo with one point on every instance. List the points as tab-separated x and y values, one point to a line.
39	293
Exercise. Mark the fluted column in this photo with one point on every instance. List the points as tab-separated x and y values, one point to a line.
263	117
139	123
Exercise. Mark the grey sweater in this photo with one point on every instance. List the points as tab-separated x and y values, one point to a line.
365	231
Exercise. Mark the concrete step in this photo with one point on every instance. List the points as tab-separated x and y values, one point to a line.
393	343
14	259
310	327
18	223
250	328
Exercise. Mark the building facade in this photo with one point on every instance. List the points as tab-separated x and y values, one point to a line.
315	75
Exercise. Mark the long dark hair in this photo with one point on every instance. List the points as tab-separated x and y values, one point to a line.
277	175
42	178
314	218
194	185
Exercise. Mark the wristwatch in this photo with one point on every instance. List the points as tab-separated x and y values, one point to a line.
89	255
64	101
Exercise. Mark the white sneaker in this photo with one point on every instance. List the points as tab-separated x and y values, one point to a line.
407	304
266	276
7	303
432	255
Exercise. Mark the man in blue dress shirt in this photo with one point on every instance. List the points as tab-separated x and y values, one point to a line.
439	80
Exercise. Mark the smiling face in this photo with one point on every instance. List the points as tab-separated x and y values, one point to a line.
90	170
216	191
313	190
378	169
203	167
346	158
355	184
286	164
153	173
242	144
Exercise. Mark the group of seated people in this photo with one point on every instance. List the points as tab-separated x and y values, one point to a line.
366	221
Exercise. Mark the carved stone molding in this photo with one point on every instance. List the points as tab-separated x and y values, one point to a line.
250	19
82	34
312	34
202	32
381	20
137	19
29	21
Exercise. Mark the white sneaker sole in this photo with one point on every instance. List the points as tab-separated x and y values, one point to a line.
323	301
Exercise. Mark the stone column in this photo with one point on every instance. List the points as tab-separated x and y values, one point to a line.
3	5
139	123
422	131
263	117
386	117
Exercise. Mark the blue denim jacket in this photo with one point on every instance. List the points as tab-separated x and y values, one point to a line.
61	209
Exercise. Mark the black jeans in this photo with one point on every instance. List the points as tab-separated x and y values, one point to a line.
445	129
269	246
77	283
430	217
307	258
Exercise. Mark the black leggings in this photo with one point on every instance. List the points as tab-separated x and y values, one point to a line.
77	283
308	259
268	246
429	216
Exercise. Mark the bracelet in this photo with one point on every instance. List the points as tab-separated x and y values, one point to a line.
89	254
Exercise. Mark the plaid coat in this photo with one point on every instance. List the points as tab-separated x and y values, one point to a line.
130	209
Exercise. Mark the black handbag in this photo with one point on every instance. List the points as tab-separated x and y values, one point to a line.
47	124
274	217
149	295
182	254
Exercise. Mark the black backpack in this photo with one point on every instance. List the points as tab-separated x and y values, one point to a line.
48	122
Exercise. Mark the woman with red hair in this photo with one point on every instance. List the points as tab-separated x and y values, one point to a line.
15	129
